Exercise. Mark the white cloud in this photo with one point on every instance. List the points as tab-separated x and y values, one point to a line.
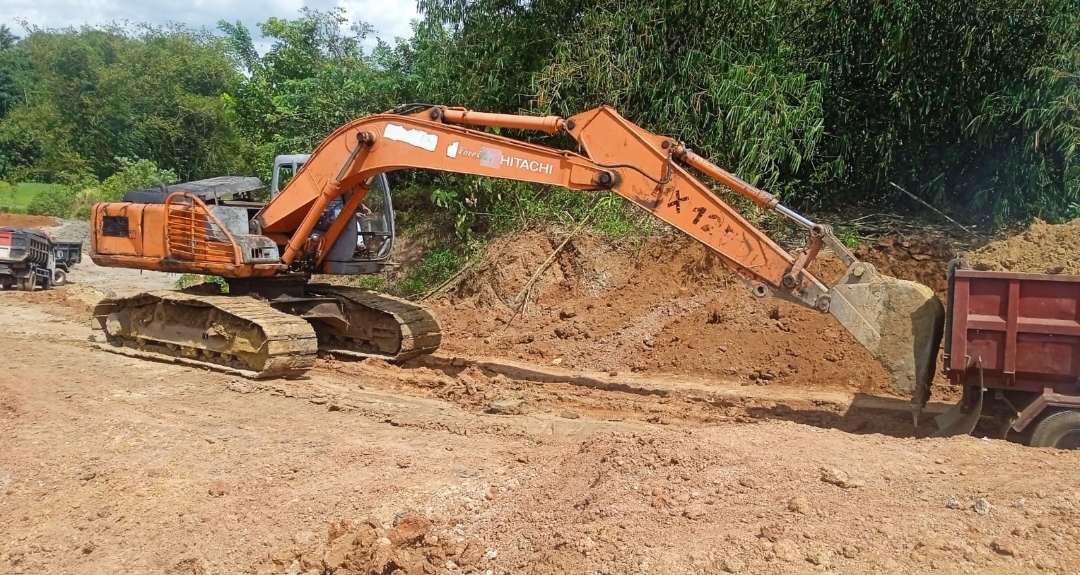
390	18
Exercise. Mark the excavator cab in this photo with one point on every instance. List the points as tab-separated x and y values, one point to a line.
285	167
369	250
375	222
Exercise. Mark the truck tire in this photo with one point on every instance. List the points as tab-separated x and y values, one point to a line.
29	282
59	277
1060	430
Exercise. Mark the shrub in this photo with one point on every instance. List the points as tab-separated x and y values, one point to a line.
134	174
435	269
53	201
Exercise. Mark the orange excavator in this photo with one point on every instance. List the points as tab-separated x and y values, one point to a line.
334	216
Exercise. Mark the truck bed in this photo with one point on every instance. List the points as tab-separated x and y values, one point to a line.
68	252
1018	331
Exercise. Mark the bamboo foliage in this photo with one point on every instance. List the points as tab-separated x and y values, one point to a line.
970	105
726	84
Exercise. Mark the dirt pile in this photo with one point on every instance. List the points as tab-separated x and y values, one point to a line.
25	221
73	301
661	305
410	547
1042	248
73	231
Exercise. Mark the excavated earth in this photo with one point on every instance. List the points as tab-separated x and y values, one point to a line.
666	306
1041	248
642	414
25	221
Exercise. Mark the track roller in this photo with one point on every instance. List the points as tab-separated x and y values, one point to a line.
376	325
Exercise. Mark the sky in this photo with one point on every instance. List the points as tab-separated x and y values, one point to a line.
390	18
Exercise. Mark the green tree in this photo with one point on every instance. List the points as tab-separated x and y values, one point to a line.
313	79
93	94
16	150
484	53
135	174
7	38
730	85
967	104
932	95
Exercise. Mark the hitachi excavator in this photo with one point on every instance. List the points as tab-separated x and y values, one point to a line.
334	216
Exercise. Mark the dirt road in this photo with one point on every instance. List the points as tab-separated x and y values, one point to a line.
461	464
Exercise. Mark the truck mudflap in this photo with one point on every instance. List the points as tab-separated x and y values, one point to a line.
961	418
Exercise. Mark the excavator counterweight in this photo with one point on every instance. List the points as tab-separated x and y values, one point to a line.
271	251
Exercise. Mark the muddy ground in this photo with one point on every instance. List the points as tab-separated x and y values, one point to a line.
641	415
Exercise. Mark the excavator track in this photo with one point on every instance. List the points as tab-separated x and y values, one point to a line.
233	334
381	326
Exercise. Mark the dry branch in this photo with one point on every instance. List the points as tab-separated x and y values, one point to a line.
939	212
523	297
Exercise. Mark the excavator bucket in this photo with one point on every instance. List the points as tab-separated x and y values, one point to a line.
900	322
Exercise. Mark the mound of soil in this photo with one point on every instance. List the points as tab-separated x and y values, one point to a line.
1042	248
410	547
25	221
665	305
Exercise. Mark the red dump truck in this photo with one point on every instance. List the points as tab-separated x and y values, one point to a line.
1012	341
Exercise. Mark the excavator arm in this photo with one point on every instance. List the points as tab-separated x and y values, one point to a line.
899	322
622	157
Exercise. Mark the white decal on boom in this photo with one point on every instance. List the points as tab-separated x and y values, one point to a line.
490	157
413	137
451	150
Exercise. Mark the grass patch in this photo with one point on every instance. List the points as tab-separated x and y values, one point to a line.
528	206
189	280
848	235
434	269
369	281
16	199
411	281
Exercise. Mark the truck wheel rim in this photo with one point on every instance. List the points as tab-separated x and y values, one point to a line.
1069	440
